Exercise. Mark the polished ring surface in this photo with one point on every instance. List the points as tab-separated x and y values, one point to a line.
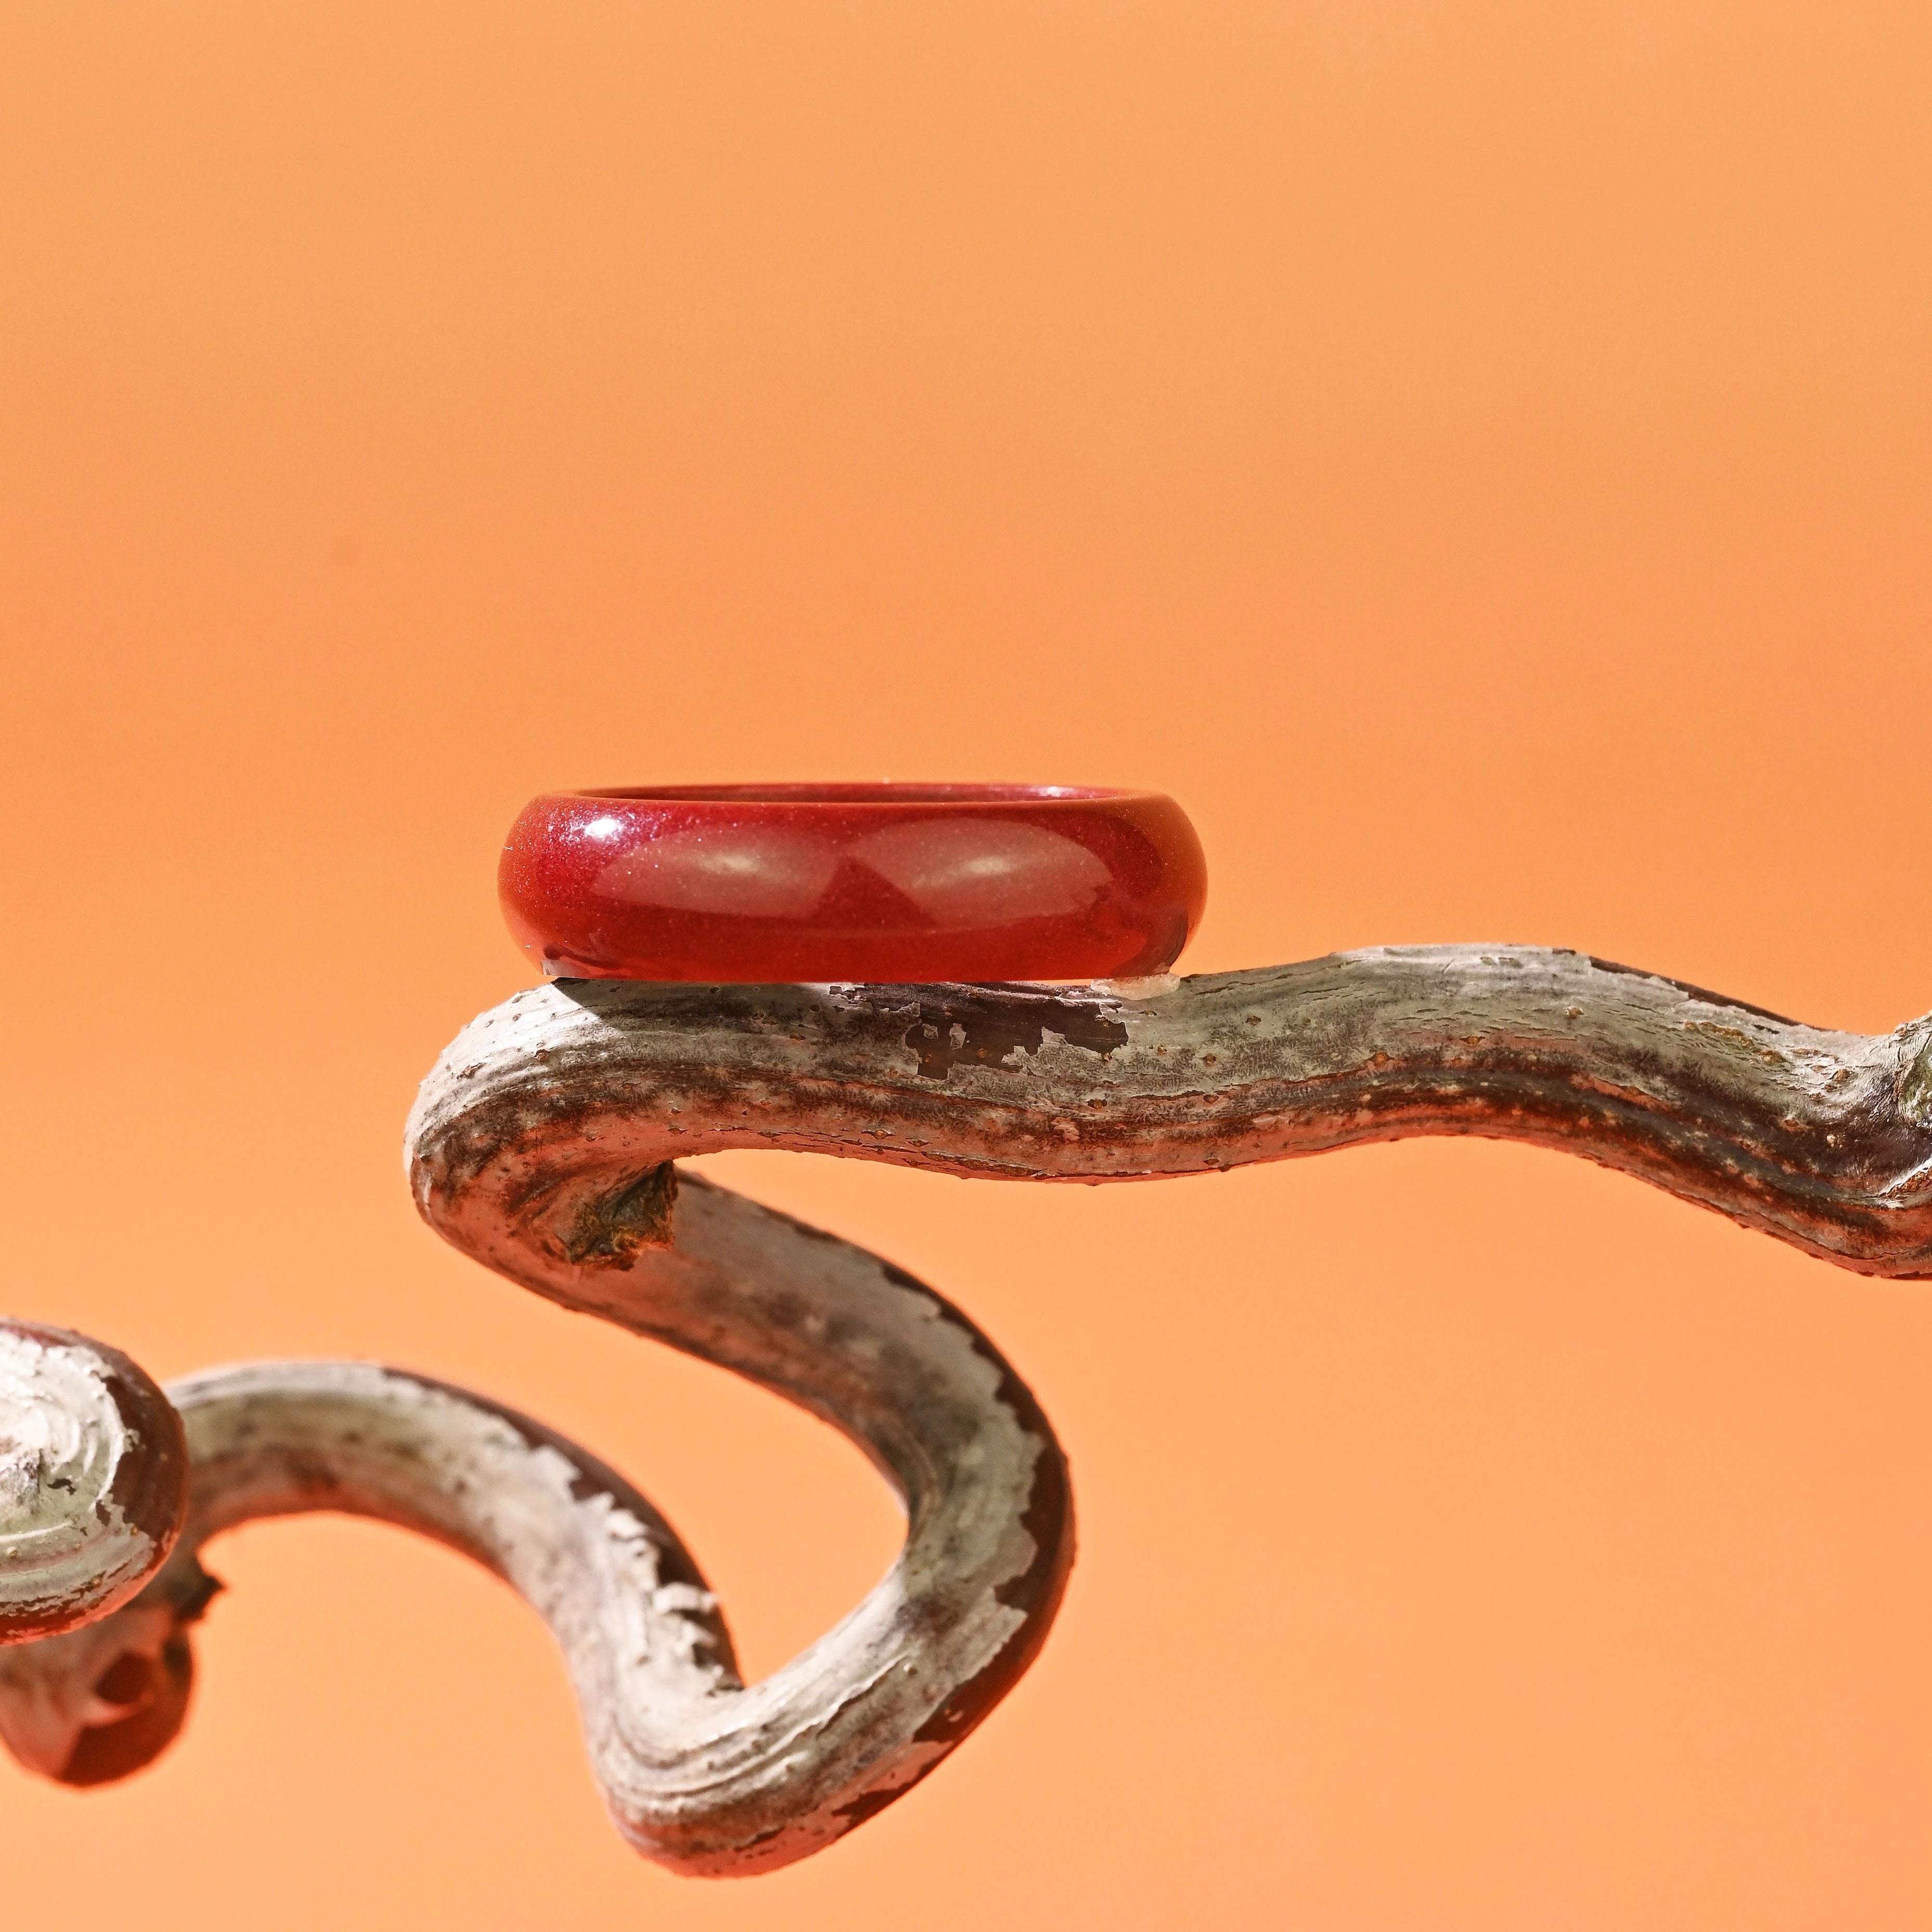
765	884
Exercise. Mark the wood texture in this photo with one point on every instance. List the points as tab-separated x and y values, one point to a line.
542	1144
701	1772
558	1101
93	1481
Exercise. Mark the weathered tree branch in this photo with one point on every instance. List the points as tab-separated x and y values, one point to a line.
699	1772
93	1480
541	1145
544	1116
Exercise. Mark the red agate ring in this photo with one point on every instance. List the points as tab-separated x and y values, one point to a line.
769	884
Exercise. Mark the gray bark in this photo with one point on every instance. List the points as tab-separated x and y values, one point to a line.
93	1480
555	1104
541	1145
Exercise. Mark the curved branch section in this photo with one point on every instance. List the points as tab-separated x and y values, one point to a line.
541	1145
534	1137
701	1772
93	1481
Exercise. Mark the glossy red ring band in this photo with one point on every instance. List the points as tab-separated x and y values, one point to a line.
765	884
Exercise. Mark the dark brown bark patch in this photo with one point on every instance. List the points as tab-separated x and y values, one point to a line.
989	1032
611	1229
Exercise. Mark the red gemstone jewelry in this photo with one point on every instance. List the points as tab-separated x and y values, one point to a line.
771	884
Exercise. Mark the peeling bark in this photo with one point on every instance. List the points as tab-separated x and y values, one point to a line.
701	1772
566	1094
93	1481
541	1145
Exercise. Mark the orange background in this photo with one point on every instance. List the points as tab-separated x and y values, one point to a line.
1475	457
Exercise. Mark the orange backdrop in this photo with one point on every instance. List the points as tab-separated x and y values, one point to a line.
1475	457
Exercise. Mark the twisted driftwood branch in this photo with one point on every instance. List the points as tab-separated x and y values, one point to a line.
534	1136
699	1772
541	1145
